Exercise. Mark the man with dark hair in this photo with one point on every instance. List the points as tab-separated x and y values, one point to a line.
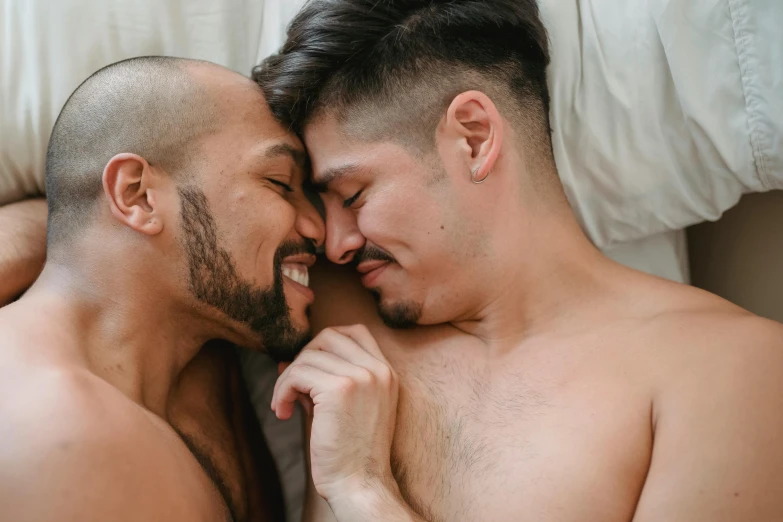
176	217
543	381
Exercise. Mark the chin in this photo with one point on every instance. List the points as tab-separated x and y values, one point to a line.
287	348
300	319
399	314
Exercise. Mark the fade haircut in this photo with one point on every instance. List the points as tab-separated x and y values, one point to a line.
150	106
388	69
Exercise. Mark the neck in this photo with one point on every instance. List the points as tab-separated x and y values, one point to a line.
550	277
127	334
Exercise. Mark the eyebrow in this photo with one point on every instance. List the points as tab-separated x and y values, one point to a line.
330	175
284	149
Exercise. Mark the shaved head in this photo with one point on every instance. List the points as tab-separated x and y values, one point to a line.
151	106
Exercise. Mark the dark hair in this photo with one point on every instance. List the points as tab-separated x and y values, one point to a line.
408	59
150	106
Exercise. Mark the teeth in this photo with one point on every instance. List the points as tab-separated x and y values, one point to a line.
297	273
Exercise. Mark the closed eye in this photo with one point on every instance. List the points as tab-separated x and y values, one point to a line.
350	201
285	186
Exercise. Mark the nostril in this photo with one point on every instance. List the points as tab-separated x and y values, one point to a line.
347	257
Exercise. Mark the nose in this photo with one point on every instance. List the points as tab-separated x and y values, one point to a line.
343	238
309	223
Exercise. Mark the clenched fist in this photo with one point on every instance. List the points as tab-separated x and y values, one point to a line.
354	397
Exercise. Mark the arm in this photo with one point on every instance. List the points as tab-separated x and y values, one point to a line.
353	394
379	502
718	431
374	502
22	246
316	509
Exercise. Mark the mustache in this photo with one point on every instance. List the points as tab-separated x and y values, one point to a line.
290	248
372	253
293	248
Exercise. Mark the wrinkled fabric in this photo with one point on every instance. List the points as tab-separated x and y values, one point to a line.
664	112
48	48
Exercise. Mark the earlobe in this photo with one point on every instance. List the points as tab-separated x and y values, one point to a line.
128	186
479	126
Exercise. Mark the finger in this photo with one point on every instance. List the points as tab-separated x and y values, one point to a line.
281	367
350	349
306	380
325	361
288	389
361	334
332	341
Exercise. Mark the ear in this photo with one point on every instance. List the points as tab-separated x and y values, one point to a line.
474	121
130	185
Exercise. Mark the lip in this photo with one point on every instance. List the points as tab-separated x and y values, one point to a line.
308	294
300	259
307	260
372	270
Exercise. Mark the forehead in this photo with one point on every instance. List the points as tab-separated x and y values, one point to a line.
335	155
249	134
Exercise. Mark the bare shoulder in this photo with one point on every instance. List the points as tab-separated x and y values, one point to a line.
693	321
74	448
695	330
717	395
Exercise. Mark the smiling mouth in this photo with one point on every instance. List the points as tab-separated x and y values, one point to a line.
371	270
366	267
297	273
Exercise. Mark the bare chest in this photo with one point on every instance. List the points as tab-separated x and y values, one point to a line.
474	443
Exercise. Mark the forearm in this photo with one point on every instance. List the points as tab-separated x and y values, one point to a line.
22	246
316	509
375	502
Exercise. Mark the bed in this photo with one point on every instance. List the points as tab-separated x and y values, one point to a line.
664	113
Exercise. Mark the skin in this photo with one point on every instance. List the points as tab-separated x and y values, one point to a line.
23	251
123	416
560	385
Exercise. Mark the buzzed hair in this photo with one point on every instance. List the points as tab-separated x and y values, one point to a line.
390	69
151	106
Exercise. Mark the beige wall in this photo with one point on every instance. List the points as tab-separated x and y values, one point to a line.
740	257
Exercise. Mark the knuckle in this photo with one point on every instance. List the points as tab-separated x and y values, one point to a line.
346	385
386	374
360	328
366	376
330	336
326	332
296	371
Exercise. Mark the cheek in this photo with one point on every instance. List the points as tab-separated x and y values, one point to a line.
277	218
260	218
410	224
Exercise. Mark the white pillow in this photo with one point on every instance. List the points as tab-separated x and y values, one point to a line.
664	111
47	48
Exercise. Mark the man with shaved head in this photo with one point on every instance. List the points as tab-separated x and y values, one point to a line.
176	217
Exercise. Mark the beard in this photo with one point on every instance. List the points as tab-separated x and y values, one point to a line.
401	315
404	314
214	281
